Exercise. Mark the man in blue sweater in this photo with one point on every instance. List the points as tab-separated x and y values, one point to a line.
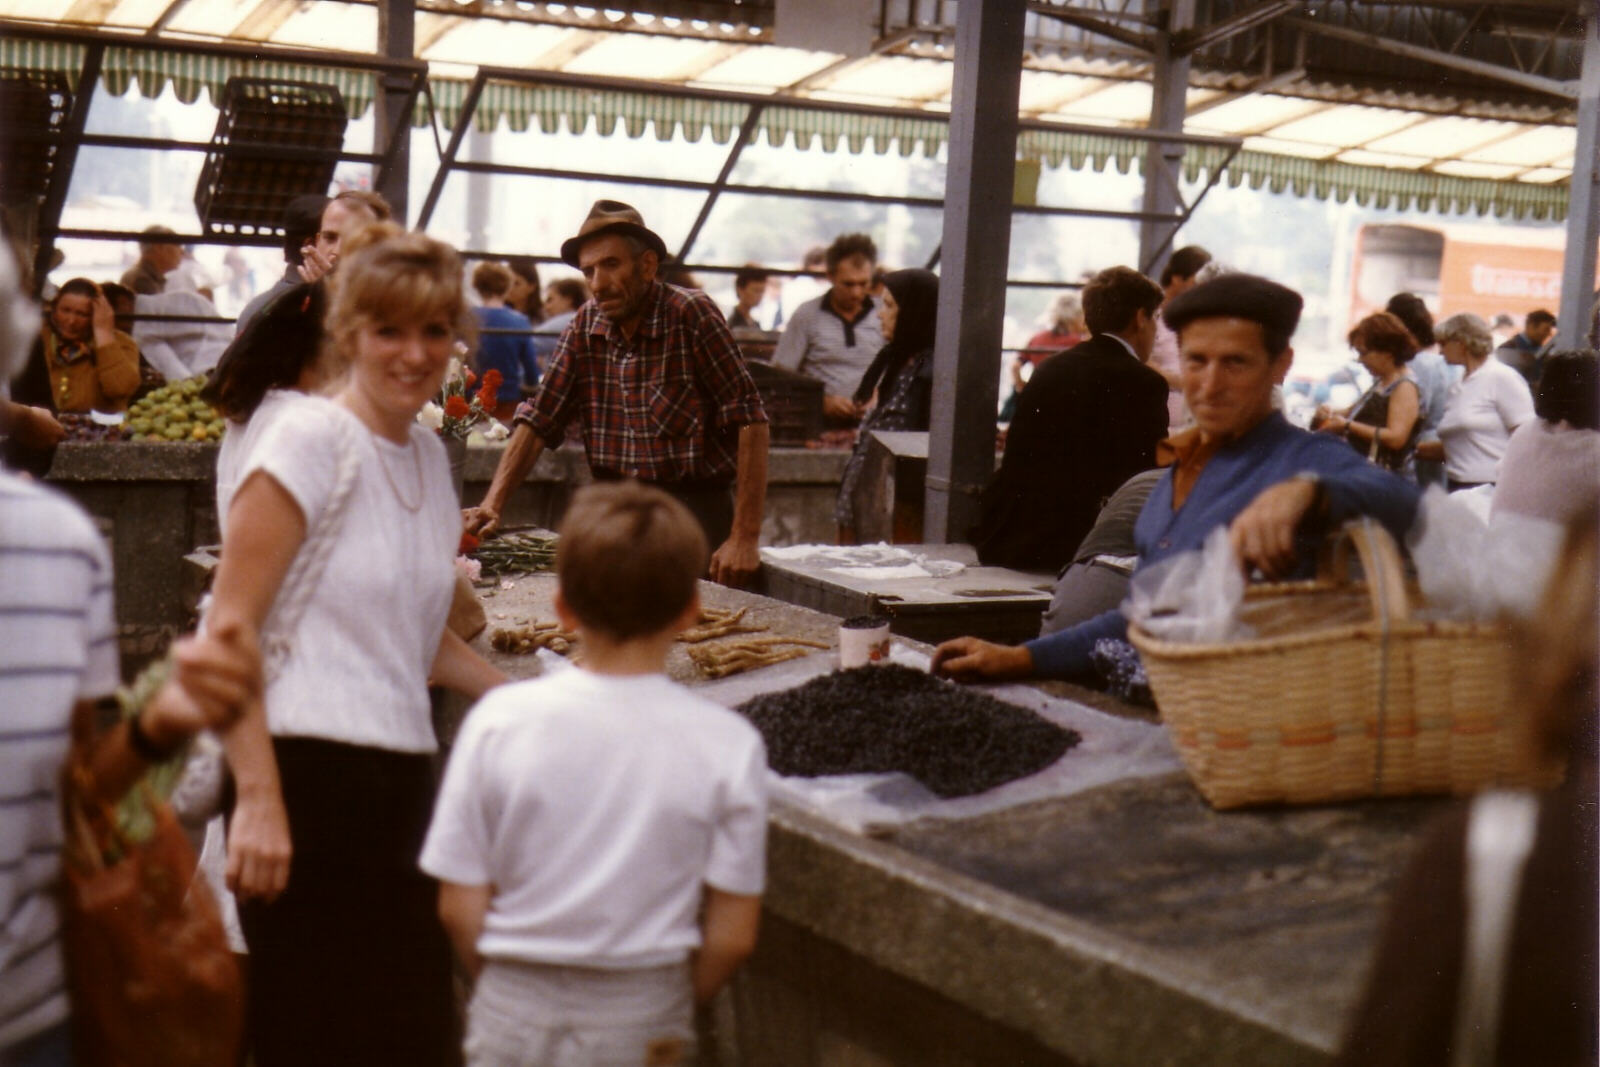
1278	489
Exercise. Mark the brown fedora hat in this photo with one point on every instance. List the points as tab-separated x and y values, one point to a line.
611	216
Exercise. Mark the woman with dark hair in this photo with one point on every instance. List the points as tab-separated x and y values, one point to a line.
525	295
1385	423
901	375
1552	462
1434	377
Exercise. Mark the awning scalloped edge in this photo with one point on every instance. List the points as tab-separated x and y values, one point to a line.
553	108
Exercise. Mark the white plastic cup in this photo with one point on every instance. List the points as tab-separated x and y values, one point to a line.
863	640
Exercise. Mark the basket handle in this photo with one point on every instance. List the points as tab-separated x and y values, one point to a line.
1380	562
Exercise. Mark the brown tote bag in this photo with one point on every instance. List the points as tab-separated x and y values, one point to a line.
151	978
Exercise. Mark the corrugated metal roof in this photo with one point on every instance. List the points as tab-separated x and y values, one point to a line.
1394	126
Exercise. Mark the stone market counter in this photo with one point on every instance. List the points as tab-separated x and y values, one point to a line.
1128	924
156	502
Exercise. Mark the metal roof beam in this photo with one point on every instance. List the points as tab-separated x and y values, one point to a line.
1190	41
1566	90
1256	88
1097	26
881	46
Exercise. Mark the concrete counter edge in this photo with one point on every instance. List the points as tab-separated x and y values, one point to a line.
1096	998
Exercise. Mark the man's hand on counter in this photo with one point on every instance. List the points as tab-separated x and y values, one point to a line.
481	520
968	659
735	562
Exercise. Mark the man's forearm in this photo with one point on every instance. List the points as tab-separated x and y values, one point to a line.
522	452
750	492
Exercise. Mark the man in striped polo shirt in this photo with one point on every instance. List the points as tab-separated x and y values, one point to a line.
834	337
58	663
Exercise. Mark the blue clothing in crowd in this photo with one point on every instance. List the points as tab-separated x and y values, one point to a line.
1272	452
509	354
547	336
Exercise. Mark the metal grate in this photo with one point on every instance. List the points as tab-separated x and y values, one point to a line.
34	105
275	140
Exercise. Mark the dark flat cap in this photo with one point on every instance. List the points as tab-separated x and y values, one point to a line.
611	216
1239	296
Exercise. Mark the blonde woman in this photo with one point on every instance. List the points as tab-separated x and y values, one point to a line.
339	541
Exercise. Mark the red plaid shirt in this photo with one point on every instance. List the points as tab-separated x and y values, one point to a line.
664	407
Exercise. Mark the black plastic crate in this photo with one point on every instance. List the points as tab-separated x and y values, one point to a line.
249	177
793	403
33	112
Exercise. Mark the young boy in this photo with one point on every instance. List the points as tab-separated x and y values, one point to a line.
600	837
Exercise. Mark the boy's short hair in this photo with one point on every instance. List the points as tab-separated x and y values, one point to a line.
628	559
1184	263
748	275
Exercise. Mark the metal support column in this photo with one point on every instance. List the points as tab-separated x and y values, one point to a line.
1163	161
397	95
976	253
1583	207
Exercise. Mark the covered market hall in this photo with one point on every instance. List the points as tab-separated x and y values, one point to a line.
1188	826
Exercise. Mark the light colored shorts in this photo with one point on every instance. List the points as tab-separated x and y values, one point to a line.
537	1015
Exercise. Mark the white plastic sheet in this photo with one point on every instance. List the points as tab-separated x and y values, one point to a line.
1472	567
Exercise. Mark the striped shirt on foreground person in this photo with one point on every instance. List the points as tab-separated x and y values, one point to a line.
58	646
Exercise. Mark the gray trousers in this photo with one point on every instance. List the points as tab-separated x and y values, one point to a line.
539	1015
1083	591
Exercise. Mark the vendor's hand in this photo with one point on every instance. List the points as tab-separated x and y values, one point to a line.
841	408
736	561
1263	533
33	427
315	264
480	521
968	659
105	319
258	845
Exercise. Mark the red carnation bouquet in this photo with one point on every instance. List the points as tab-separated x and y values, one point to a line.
461	408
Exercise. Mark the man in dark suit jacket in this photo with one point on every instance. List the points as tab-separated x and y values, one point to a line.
1088	420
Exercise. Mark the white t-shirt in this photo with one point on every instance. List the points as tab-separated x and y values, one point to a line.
598	807
1483	409
357	668
58	645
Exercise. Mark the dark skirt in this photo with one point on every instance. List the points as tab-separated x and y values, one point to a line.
350	965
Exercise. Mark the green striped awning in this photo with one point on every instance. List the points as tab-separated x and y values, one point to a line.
552	108
187	73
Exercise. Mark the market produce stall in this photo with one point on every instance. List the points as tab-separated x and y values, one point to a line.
1102	920
153	494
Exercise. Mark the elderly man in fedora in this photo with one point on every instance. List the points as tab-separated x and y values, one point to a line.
660	389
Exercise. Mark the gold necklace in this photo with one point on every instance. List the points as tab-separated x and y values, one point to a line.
416	458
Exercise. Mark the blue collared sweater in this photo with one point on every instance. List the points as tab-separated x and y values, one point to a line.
1272	452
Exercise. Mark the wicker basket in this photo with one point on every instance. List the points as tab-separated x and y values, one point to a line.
1343	694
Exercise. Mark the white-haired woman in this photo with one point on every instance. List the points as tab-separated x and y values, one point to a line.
1489	402
1065	329
345	520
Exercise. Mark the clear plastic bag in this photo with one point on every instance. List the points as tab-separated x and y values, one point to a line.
1192	596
